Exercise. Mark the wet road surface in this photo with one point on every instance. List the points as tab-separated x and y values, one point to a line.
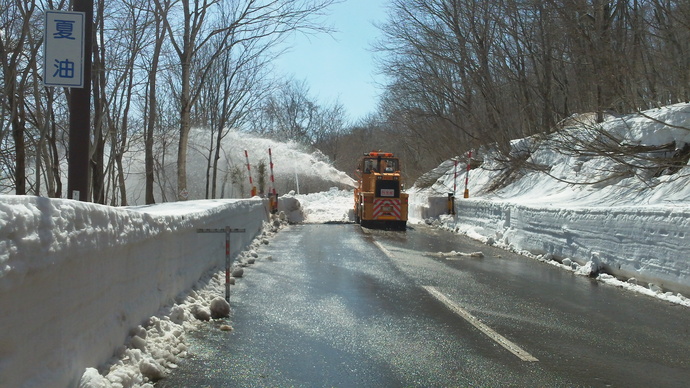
338	306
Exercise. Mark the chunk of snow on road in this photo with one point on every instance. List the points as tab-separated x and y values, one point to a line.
453	255
331	206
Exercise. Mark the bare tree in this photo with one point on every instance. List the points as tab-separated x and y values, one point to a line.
100	102
432	99
248	20
466	72
236	85
669	21
18	49
151	104
290	113
116	83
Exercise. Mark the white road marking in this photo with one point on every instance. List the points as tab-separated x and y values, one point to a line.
501	340
384	249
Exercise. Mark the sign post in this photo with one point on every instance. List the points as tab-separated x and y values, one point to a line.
228	261
67	56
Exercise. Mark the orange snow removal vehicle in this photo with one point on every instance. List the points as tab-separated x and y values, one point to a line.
379	200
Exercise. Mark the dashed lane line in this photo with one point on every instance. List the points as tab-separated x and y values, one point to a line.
383	249
501	340
491	333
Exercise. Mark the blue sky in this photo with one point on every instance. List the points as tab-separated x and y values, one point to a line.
340	68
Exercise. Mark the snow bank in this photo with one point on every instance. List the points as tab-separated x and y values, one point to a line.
76	278
155	348
649	243
635	226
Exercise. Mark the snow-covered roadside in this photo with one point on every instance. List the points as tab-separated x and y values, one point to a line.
594	267
155	348
633	229
76	279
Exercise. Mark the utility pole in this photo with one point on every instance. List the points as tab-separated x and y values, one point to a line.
80	116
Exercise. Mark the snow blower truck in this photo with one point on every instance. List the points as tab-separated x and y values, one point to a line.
379	200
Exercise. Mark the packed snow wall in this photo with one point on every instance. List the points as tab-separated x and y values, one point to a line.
645	243
76	277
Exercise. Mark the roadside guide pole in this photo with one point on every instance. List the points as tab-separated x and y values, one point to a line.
228	261
455	177
274	196
467	175
249	170
451	196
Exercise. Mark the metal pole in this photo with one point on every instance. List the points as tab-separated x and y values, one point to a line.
455	177
274	195
297	182
80	116
467	175
249	170
228	260
451	196
227	263
273	182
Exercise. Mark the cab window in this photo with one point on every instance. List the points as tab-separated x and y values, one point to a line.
389	165
369	166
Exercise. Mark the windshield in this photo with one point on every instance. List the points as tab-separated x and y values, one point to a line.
387	165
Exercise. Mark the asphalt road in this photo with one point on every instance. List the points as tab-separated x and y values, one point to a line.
338	306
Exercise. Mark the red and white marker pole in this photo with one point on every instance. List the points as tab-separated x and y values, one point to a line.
467	175
249	170
455	177
228	260
273	182
274	196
